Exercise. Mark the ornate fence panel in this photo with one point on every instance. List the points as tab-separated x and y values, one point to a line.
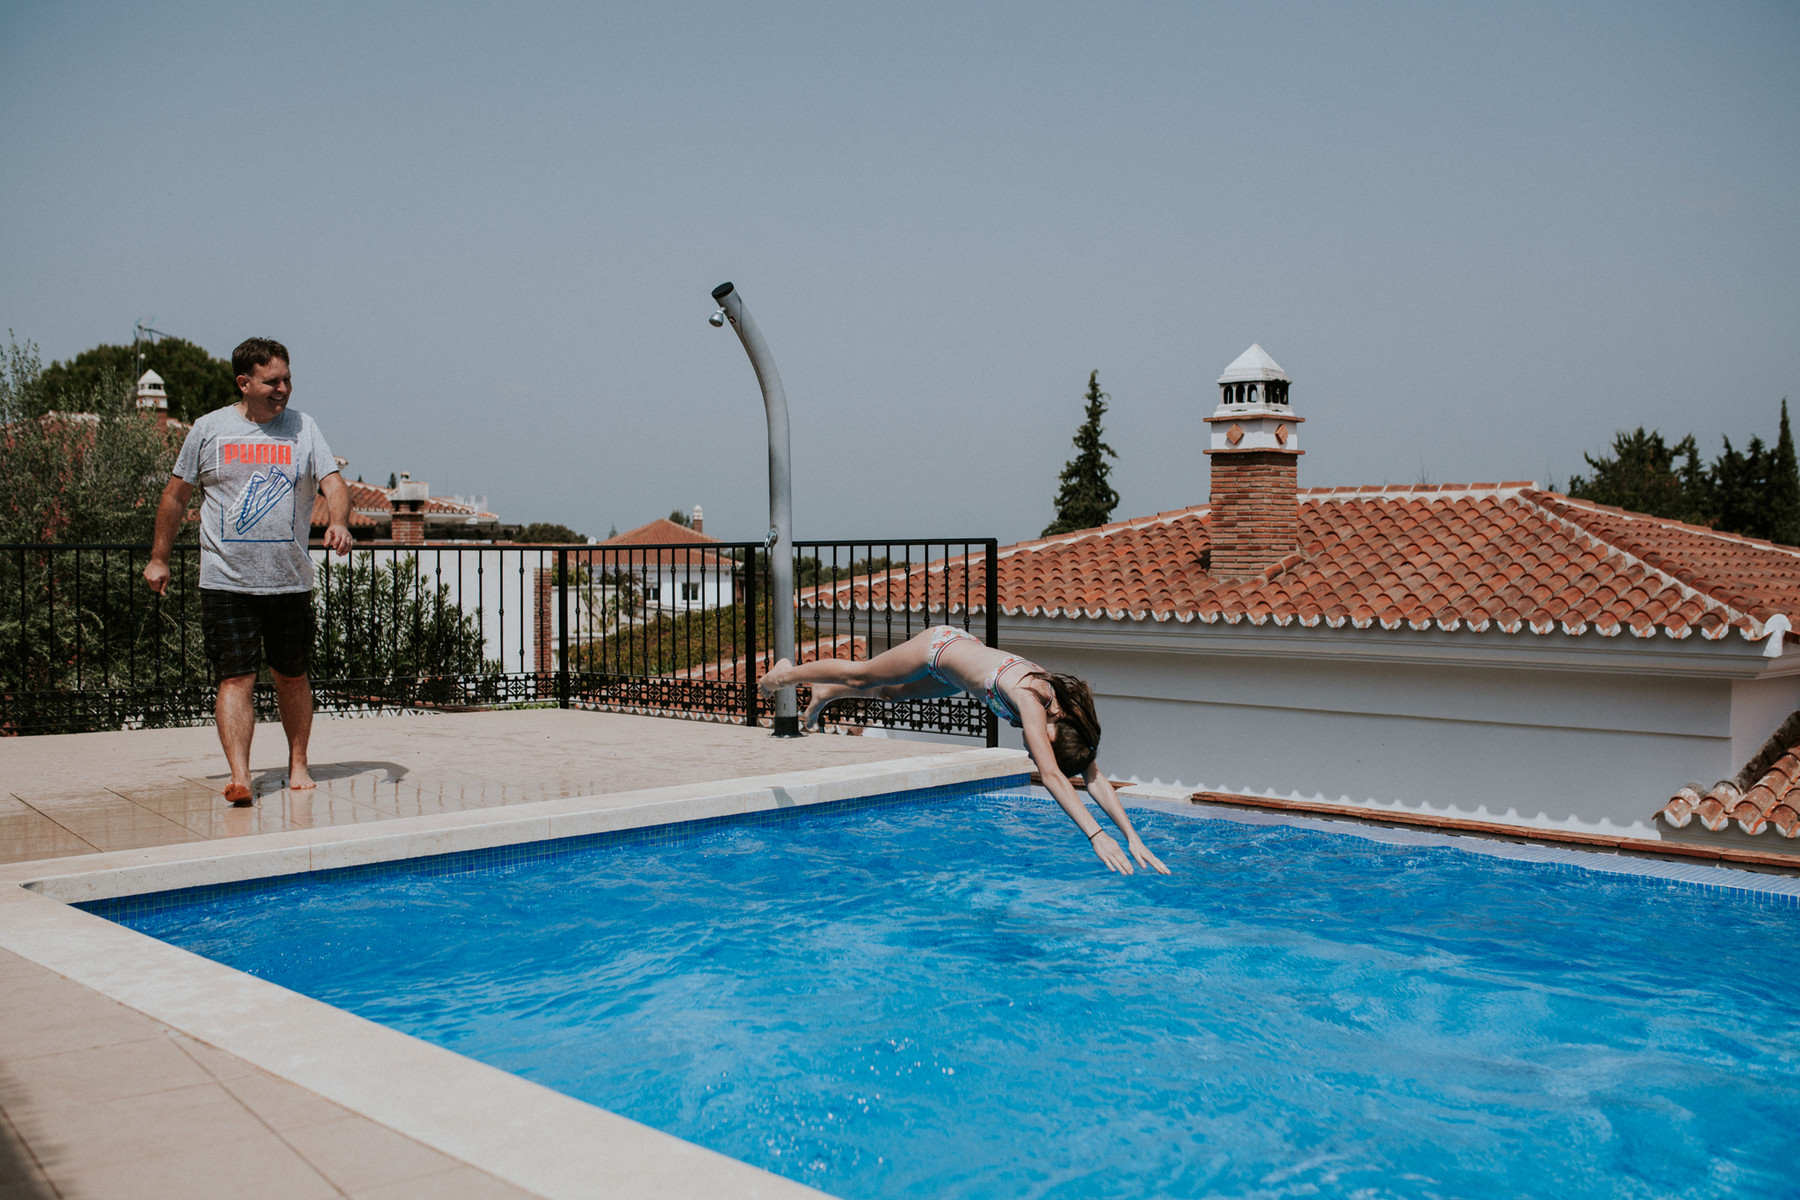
680	629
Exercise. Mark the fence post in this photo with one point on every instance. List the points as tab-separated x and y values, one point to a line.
750	656
993	622
562	628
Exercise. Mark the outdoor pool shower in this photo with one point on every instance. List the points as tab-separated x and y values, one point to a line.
780	540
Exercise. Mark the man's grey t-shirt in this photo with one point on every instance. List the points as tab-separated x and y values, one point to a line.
259	481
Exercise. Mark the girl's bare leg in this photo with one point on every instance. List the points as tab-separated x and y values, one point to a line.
901	664
918	689
835	678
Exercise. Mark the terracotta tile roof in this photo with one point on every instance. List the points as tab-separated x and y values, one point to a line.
1506	556
1764	795
660	532
664	532
443	506
369	507
372	507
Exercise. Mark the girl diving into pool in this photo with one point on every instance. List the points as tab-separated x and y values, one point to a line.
1055	712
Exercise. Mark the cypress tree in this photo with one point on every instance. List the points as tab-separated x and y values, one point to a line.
1784	487
1741	483
1086	499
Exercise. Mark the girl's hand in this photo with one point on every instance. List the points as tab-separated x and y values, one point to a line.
1142	853
1113	857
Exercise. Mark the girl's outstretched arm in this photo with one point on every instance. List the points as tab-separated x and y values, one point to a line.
1033	724
1101	789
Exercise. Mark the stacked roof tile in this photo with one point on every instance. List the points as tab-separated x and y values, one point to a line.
1764	795
1509	557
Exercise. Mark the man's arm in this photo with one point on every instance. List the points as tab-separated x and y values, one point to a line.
169	513
337	513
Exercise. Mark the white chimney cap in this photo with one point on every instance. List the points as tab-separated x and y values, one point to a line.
150	381
1253	366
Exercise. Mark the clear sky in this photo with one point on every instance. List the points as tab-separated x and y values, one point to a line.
1480	238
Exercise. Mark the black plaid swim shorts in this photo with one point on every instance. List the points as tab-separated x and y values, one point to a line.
241	631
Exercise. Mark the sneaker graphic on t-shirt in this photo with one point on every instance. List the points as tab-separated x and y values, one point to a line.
263	495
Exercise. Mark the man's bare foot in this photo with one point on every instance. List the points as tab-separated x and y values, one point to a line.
823	694
299	780
771	683
238	794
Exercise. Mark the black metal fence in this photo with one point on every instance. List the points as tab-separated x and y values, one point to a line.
674	629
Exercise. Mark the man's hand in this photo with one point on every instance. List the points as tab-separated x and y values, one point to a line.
169	512
337	513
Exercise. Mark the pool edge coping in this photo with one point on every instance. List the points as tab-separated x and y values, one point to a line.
521	1132
1710	877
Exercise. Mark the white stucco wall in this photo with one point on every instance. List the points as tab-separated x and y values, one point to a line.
1593	738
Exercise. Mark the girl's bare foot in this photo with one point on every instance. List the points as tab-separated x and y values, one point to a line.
823	694
771	683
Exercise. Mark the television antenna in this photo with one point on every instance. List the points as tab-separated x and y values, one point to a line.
141	333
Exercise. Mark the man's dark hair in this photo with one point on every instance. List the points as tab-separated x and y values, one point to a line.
255	352
1077	737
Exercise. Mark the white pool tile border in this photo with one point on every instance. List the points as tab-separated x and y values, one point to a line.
1711	879
518	1131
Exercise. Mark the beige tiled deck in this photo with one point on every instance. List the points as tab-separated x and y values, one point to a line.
115	791
98	1100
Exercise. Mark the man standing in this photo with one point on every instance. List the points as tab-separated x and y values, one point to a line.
258	464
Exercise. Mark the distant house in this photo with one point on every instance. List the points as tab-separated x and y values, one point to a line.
684	574
1491	653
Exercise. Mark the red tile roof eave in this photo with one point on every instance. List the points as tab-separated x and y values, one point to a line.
1681	589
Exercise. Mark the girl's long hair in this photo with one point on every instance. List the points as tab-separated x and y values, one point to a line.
1077	737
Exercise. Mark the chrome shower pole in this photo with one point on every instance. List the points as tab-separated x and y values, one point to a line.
781	496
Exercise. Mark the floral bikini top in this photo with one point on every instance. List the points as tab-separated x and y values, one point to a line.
996	703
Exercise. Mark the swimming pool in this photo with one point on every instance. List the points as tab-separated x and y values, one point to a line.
951	1000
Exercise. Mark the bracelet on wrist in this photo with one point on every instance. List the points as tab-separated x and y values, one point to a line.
1095	834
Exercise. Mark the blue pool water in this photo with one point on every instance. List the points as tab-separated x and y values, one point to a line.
953	1000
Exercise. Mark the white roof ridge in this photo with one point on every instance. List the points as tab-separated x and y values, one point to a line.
1724	535
1598	541
1419	491
1077	535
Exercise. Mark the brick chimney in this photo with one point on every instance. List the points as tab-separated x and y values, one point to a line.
408	499
699	520
1254	520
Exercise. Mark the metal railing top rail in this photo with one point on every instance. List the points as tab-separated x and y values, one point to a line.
798	544
470	544
669	627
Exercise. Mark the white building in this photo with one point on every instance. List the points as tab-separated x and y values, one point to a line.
1490	653
682	574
